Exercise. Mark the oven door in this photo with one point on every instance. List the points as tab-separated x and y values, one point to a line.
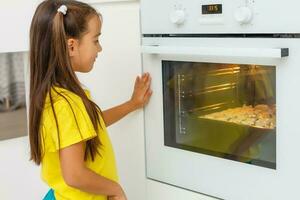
222	118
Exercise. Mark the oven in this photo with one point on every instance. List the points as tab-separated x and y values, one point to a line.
223	118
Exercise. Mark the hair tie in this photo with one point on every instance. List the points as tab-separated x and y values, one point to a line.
63	9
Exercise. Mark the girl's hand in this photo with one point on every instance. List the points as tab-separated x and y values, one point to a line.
142	91
121	196
117	198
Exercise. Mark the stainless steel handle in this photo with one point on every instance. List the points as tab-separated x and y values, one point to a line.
218	51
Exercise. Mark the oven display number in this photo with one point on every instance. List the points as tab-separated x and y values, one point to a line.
212	9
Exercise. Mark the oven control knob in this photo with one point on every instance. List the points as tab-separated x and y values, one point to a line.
243	15
177	17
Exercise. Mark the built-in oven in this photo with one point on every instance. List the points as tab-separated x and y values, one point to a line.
223	118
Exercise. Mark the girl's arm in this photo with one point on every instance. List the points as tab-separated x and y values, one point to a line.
139	99
77	175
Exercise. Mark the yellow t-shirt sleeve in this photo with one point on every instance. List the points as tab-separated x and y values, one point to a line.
74	124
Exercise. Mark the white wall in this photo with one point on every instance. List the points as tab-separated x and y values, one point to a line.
19	178
15	18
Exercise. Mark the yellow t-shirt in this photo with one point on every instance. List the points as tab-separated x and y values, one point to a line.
69	134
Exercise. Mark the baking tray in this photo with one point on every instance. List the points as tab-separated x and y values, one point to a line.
227	139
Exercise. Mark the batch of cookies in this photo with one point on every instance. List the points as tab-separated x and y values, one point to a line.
259	116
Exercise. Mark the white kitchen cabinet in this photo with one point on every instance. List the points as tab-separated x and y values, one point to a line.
15	18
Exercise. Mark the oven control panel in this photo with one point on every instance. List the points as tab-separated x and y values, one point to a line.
219	16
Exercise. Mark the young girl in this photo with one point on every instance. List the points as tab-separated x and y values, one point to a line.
68	134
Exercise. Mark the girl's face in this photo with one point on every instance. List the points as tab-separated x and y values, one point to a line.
83	52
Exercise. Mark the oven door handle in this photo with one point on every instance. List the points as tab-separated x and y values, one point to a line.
217	51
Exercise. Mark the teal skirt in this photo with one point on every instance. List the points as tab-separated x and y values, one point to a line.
49	195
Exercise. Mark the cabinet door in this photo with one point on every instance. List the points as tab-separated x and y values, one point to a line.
15	18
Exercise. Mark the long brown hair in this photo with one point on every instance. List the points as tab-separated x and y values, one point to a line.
50	66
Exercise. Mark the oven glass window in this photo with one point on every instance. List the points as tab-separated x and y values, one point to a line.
222	110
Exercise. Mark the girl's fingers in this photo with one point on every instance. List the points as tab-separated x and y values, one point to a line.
142	84
147	96
148	82
148	93
146	85
145	76
136	80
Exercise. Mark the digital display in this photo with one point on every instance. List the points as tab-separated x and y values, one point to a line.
212	9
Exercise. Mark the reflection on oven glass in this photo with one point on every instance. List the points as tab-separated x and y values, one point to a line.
223	110
13	121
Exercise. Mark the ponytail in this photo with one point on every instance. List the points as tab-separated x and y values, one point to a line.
59	47
50	66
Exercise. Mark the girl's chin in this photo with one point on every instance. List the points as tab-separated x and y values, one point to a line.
85	70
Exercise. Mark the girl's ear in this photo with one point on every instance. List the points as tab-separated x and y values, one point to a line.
72	46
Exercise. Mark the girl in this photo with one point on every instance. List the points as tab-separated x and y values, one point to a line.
67	129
